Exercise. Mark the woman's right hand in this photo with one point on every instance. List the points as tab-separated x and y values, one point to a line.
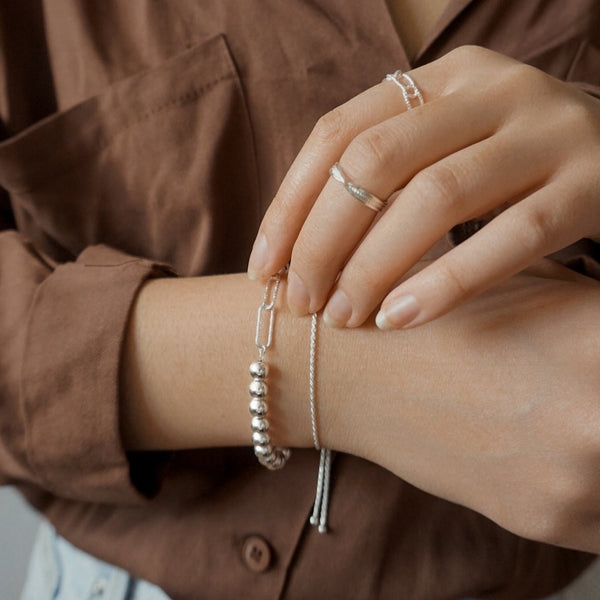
495	406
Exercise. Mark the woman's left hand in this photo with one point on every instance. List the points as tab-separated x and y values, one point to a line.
493	134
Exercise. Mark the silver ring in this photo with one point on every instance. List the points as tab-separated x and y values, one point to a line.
362	195
410	92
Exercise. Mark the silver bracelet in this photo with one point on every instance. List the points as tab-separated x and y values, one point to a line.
321	505
272	457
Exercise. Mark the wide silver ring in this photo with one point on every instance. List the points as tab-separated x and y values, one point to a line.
410	91
362	195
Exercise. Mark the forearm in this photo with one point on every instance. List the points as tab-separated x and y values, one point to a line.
494	406
190	341
184	377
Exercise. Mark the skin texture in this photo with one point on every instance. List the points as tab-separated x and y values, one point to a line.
493	406
494	136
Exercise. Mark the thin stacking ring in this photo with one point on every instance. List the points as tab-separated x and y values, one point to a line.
362	195
410	91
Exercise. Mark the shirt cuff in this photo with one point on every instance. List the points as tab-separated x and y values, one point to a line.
70	378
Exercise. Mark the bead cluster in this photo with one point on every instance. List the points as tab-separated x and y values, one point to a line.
272	457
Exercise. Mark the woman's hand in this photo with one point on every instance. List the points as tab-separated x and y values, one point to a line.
494	406
493	134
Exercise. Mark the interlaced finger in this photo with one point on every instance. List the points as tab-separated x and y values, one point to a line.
515	239
464	185
310	170
382	160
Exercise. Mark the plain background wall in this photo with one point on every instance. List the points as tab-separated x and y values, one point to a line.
18	525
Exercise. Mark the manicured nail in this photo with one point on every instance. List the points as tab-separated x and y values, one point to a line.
338	310
298	298
258	257
402	312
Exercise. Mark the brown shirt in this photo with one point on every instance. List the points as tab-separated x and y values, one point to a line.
147	137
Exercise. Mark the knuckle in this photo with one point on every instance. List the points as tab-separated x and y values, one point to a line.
456	67
527	80
471	51
537	231
283	218
370	151
361	276
309	257
330	127
281	209
441	188
451	279
467	54
577	118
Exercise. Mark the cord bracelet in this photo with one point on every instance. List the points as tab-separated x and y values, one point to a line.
320	511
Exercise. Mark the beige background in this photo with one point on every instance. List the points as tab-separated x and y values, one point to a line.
18	525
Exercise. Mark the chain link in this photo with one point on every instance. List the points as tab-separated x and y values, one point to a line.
266	312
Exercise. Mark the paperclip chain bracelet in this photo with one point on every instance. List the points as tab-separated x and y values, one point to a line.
272	457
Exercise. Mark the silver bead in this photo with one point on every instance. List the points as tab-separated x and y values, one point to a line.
259	424
269	459
259	369
263	450
258	389
276	460
261	439
272	463
258	407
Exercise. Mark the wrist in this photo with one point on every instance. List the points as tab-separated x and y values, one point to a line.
184	370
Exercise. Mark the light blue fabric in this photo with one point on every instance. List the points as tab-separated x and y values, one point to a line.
59	571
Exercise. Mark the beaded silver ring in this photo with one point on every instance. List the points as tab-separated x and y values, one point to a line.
410	91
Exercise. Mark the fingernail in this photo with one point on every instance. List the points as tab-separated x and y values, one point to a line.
258	257
402	312
338	310
298	298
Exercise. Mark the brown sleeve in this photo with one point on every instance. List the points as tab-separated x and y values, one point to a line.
61	332
585	70
540	570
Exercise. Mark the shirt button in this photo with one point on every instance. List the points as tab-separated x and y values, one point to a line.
256	554
99	588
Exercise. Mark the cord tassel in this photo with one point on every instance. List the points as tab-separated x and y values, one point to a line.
321	505
325	496
314	519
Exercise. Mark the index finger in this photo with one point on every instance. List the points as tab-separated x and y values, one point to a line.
310	170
